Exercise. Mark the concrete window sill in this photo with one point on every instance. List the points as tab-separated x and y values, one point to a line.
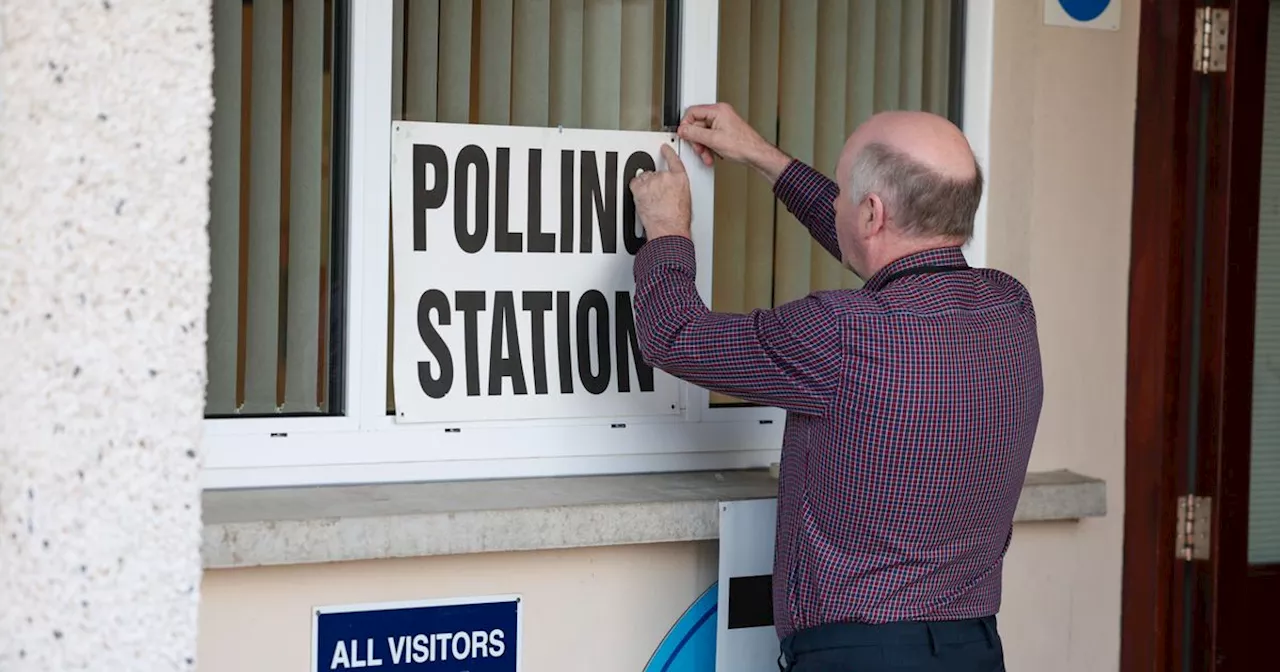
285	526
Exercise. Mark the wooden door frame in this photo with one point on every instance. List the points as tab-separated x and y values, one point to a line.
1158	357
1163	274
1235	123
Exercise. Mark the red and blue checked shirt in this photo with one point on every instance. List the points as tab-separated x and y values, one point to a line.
912	404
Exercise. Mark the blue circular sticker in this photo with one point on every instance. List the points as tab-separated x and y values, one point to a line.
690	645
1084	10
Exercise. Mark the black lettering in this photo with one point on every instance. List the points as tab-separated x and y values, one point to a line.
627	342
425	199
433	386
470	304
538	303
632	233
504	331
539	241
605	212
471	241
599	381
562	342
566	200
504	240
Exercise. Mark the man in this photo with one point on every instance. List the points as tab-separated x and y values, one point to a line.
912	402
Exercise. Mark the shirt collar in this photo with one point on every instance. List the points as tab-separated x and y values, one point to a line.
941	256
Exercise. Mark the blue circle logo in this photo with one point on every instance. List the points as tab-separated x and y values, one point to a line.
690	646
1084	10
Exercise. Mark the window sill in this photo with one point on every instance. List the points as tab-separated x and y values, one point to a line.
284	526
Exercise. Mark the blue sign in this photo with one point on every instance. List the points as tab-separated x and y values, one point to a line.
1084	10
465	635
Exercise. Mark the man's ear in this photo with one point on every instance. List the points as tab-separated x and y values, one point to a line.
875	215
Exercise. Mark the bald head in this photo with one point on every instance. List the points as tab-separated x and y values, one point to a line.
928	139
921	166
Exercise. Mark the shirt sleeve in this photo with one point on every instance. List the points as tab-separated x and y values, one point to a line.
811	197
790	356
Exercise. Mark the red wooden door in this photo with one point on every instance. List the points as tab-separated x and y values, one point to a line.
1234	458
1203	400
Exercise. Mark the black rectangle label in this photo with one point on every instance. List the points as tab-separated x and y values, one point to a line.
750	601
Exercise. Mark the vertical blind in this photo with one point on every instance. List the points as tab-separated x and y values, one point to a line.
805	73
1264	489
269	226
572	63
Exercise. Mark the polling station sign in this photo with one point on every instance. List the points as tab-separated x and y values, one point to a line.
513	251
458	635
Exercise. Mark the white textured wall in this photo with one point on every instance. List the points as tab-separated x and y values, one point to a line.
104	162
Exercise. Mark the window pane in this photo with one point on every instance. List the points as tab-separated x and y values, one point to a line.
572	63
805	73
272	204
1264	469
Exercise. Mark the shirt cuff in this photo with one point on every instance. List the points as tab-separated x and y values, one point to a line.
674	251
797	187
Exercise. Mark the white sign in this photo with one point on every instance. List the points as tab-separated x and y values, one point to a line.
746	640
513	251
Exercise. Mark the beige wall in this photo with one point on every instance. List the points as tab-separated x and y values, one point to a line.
1061	176
1059	206
586	610
607	609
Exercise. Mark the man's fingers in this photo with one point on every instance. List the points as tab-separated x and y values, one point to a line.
702	150
674	164
639	180
696	134
700	113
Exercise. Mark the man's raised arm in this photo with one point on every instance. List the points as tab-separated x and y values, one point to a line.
717	130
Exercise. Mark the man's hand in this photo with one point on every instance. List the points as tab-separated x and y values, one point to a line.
662	199
718	130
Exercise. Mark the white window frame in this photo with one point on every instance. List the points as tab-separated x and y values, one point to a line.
366	445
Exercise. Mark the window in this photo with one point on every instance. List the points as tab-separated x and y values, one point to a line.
300	309
274	248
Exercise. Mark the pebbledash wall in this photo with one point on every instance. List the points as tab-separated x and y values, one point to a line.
1059	198
1060	174
104	162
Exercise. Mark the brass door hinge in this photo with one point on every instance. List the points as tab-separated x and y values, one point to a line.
1212	32
1195	520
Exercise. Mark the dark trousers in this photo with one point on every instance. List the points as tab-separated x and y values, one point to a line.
939	646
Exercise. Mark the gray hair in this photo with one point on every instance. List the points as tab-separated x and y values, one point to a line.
921	202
